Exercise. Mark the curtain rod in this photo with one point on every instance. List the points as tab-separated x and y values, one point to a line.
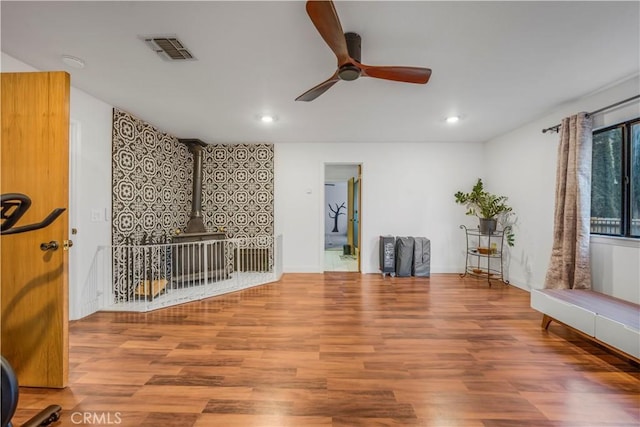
557	127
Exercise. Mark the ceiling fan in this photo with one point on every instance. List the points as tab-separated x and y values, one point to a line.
347	49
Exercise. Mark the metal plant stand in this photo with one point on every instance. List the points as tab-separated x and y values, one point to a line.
484	254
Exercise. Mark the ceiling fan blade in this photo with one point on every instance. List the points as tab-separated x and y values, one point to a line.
318	90
399	74
325	18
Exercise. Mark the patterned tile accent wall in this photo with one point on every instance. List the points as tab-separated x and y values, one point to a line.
151	176
152	173
238	189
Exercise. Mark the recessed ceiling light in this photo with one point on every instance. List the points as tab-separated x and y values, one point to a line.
452	119
72	61
267	118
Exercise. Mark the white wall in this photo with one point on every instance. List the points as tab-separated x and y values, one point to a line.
522	164
407	190
92	210
90	215
340	172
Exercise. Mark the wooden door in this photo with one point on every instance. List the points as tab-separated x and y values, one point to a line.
356	215
34	287
350	214
354	208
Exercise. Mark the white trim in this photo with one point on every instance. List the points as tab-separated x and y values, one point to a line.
73	204
615	241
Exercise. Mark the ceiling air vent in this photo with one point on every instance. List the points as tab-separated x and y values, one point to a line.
168	47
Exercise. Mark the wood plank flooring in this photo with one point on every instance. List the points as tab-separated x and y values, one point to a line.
342	349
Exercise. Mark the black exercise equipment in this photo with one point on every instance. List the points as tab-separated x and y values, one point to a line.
14	206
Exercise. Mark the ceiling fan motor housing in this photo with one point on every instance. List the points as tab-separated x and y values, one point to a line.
349	71
354	45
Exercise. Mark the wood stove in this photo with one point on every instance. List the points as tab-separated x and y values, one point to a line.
196	257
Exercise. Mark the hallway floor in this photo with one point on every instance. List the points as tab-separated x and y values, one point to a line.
335	261
334	241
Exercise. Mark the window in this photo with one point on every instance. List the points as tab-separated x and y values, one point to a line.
615	180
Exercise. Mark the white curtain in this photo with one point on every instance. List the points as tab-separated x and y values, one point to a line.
569	267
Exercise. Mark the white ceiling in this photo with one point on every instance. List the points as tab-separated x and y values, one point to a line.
497	64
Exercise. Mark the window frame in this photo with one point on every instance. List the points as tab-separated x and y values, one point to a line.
625	177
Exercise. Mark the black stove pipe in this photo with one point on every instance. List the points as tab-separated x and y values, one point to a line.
195	223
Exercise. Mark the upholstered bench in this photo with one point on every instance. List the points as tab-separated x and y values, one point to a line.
612	322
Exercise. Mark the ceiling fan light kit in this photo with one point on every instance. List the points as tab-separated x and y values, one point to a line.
347	48
348	72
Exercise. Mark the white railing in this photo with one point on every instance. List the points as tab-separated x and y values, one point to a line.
93	296
147	277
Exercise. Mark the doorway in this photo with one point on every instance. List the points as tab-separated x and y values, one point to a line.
342	212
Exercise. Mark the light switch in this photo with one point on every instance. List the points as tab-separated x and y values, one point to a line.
96	215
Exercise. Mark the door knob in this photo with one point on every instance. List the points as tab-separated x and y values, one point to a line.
52	245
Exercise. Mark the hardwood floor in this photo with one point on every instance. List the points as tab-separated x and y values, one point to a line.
342	349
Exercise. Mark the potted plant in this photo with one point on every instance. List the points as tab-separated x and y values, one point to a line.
489	208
